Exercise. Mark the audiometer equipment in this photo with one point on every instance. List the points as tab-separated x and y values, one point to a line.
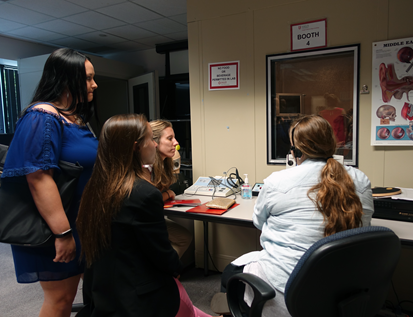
214	186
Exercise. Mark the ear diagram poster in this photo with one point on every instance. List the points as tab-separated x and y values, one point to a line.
392	93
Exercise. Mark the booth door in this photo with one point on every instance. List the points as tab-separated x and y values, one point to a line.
144	95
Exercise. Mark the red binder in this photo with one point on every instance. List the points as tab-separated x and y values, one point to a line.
202	209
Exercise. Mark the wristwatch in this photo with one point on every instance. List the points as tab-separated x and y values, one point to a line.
63	234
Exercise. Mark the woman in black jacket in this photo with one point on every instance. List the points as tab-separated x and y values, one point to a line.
131	266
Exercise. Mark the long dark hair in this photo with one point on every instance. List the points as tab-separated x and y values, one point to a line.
65	70
117	166
335	195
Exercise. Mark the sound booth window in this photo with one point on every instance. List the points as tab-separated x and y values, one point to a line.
322	82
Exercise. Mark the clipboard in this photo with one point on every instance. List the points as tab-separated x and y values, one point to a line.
182	203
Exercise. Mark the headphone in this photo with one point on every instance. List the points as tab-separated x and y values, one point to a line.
176	159
296	152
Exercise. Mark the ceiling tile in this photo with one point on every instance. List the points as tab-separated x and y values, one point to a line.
130	32
64	27
55	8
80	23
178	36
154	40
100	38
165	7
162	26
37	34
96	4
131	46
180	18
75	43
19	14
6	25
129	12
94	20
102	50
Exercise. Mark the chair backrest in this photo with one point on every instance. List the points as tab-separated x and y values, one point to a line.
345	274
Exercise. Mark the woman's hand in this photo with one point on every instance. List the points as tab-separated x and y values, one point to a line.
65	249
168	195
171	194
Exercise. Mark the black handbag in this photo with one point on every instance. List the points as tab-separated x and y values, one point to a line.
20	221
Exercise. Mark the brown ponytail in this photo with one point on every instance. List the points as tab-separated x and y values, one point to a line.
335	196
337	199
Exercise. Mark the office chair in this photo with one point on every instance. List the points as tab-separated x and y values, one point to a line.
347	274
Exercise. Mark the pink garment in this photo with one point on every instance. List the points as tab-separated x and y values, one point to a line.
336	119
186	308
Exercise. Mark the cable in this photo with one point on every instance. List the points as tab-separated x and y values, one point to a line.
214	182
217	182
395	293
209	254
198	187
230	178
398	308
389	304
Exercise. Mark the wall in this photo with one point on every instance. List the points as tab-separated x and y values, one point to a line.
151	61
112	95
229	127
148	59
249	30
15	49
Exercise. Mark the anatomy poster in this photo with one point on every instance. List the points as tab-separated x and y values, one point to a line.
392	93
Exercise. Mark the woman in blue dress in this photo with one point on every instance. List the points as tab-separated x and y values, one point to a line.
52	128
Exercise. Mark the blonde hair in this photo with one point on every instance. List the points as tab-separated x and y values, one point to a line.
335	195
163	169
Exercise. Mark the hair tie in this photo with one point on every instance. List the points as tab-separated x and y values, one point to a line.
329	158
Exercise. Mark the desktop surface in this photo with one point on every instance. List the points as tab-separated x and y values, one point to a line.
242	216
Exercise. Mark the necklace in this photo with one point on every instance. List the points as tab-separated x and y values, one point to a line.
79	120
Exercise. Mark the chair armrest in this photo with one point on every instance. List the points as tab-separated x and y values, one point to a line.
262	292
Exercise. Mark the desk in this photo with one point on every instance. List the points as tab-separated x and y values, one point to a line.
242	216
239	216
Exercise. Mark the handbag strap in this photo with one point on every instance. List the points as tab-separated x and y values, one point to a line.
90	129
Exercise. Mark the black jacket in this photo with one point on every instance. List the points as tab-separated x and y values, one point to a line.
129	278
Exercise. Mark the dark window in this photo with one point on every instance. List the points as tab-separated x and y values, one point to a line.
9	98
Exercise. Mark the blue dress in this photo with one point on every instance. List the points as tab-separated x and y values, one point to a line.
38	144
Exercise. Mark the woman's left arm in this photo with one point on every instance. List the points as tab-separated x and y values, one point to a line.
261	208
367	203
47	199
168	195
152	235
